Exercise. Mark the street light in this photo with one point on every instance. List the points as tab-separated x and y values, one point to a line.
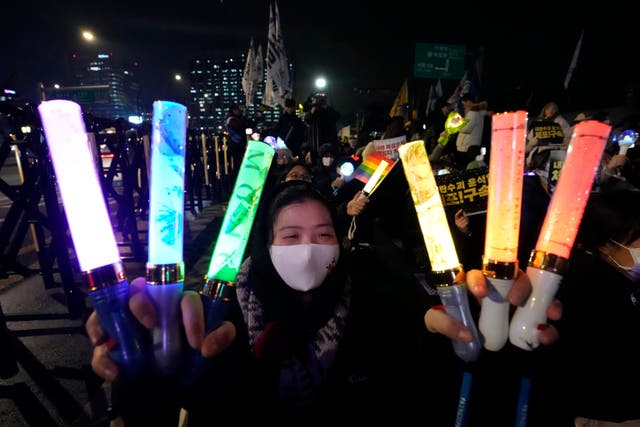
178	87
88	36
321	83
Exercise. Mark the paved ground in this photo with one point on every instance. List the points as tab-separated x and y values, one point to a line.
54	384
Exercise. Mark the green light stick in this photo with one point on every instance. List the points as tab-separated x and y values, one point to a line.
454	124
228	251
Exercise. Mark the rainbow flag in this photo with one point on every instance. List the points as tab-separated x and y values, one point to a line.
369	166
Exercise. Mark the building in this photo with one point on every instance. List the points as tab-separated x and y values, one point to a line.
107	88
216	83
103	85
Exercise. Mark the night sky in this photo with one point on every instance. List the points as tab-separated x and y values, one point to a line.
353	44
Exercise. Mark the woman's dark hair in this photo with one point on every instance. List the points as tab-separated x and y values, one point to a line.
281	303
285	194
298	163
610	214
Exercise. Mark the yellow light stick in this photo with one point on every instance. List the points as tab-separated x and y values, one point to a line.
439	243
500	261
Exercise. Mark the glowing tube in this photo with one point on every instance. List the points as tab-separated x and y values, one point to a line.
439	243
549	259
500	261
78	184
91	231
453	124
371	183
165	266
228	252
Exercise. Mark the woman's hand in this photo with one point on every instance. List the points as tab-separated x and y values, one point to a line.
145	312
462	221
193	319
357	204
438	321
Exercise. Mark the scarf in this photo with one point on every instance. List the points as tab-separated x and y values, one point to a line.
299	375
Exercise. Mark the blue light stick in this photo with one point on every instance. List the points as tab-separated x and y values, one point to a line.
165	266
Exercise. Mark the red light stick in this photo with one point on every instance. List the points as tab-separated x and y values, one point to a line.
500	261
549	260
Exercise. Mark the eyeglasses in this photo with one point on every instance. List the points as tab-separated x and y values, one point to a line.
301	177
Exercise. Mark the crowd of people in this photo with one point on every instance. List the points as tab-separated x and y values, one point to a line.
337	320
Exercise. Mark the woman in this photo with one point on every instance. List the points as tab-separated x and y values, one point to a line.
541	132
297	171
601	320
305	344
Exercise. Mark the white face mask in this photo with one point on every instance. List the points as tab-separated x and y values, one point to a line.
634	270
304	267
326	161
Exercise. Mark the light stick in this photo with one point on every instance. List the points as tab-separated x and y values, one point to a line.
500	260
215	145
91	231
439	243
205	158
453	124
373	181
627	139
228	252
549	260
165	265
366	191
225	147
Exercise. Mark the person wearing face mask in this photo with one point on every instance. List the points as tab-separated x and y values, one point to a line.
303	350
326	177
598	356
304	344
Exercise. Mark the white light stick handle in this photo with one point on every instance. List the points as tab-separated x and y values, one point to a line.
549	259
494	317
624	148
524	330
500	259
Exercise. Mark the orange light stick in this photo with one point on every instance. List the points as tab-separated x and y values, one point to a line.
504	202
549	260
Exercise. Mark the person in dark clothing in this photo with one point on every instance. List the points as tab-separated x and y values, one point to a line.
437	118
600	292
326	177
291	129
307	335
322	120
236	125
301	337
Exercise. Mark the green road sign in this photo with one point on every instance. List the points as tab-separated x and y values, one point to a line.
83	95
439	61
